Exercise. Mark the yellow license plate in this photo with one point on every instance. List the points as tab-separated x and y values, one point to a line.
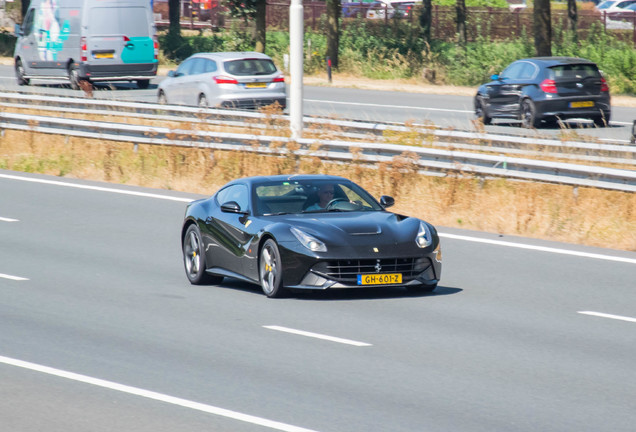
255	85
380	279
582	104
104	55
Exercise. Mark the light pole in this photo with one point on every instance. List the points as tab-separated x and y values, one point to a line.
296	36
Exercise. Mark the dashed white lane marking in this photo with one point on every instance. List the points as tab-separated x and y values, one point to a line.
540	248
3	219
610	316
15	278
154	396
317	336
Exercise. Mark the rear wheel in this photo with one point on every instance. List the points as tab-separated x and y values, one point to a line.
480	111
143	84
601	121
203	101
271	270
194	259
529	114
73	77
20	73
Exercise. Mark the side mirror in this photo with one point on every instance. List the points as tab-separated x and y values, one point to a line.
232	207
494	77
17	30
172	74
386	201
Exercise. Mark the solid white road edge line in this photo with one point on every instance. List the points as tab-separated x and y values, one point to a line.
610	316
15	278
317	336
453	236
539	248
389	106
95	188
8	220
154	396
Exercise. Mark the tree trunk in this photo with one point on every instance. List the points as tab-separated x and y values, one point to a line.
573	17
174	16
260	36
460	7
333	30
426	20
542	28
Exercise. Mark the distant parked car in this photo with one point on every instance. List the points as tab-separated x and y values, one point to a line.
356	9
390	8
545	89
614	5
626	13
227	80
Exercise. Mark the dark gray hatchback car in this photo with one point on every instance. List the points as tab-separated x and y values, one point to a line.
545	89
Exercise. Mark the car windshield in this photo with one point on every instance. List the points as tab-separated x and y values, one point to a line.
311	196
246	67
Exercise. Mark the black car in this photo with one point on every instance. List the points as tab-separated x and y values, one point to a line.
545	89
307	232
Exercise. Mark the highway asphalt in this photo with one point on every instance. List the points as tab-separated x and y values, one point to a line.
448	111
101	331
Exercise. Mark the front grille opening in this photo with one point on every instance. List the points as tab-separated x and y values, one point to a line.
347	270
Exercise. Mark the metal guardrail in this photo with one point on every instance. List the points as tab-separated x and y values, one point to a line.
428	160
348	128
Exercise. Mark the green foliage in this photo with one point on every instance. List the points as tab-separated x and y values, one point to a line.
7	44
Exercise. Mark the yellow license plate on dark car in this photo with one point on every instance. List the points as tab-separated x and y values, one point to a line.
582	104
256	85
380	279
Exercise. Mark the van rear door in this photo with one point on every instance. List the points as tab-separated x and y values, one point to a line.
119	34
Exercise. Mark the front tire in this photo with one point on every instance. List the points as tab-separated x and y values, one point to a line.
421	289
194	259
20	73
271	270
480	111
162	99
529	114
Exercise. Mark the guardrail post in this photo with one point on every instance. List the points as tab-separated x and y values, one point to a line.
633	138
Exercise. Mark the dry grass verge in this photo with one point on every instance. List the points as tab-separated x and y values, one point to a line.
564	213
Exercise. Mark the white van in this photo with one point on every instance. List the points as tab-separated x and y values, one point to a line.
94	40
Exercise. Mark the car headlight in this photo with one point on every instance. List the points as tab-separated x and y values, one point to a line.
309	241
423	238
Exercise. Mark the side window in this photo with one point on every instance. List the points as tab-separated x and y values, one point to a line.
198	66
513	71
528	71
210	66
27	27
185	67
236	193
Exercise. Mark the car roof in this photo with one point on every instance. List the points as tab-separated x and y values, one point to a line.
555	61
232	55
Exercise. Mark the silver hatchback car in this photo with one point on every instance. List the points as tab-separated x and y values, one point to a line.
225	79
